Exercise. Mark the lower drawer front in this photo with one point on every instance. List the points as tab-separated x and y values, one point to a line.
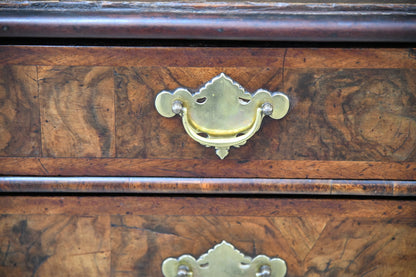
131	236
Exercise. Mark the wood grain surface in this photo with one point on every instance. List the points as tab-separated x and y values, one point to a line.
131	236
61	245
208	56
77	111
19	111
208	168
352	112
361	114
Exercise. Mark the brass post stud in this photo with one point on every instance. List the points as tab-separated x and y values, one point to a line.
177	107
183	271
265	271
267	108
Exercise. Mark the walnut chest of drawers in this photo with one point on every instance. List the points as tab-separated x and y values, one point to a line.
95	182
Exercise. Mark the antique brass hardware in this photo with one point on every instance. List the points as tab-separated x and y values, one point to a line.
222	114
224	261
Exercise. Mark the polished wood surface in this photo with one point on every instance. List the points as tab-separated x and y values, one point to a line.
90	111
392	21
249	187
93	182
19	112
130	236
209	56
77	111
207	168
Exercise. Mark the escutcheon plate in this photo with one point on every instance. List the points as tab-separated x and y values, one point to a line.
222	114
224	261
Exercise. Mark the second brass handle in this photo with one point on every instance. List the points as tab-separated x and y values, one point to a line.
223	260
185	271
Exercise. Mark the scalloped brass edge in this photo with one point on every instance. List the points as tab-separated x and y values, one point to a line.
221	114
223	260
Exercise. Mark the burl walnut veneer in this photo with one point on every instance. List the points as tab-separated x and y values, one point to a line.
94	182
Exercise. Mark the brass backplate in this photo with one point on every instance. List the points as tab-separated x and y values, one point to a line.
224	261
222	114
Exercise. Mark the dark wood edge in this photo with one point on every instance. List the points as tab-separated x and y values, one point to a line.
205	186
221	21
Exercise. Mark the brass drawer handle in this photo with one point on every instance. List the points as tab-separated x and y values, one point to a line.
224	261
222	114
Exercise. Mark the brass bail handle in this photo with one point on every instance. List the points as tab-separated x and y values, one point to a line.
222	114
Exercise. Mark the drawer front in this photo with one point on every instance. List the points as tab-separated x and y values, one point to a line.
90	111
83	112
131	236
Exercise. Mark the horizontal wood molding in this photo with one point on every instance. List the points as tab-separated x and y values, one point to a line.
296	58
207	168
213	206
205	186
373	21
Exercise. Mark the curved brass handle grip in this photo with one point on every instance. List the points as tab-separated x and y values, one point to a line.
224	261
222	144
222	114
